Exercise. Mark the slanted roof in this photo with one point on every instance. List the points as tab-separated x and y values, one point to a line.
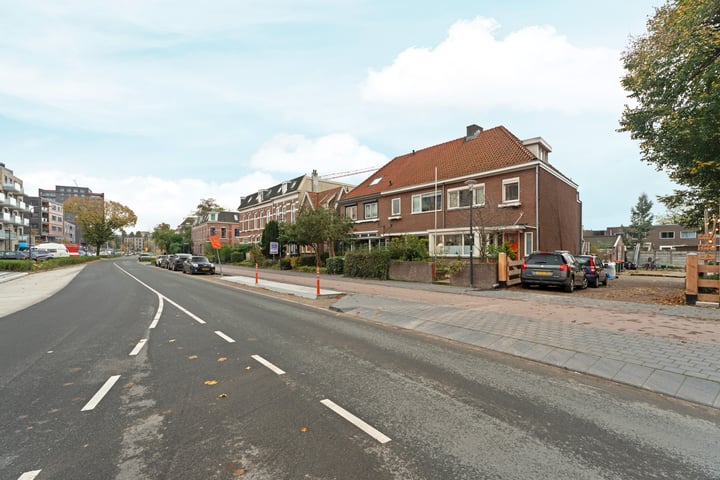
491	149
280	189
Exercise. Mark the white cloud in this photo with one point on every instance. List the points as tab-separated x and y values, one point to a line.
329	154
532	69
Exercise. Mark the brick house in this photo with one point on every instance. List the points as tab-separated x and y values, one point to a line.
282	202
517	197
223	224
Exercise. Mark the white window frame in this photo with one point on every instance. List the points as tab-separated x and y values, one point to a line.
351	212
529	242
507	183
478	197
685	234
370	205
667	235
395	207
417	200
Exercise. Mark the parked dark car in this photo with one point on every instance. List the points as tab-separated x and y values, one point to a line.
594	269
14	255
198	264
557	269
176	263
39	254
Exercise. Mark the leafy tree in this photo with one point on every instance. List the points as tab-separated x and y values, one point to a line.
99	220
641	221
316	226
271	233
161	236
207	205
673	76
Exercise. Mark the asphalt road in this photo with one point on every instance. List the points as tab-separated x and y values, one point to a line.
229	384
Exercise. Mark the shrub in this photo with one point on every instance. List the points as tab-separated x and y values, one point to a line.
306	261
375	264
286	263
408	248
335	265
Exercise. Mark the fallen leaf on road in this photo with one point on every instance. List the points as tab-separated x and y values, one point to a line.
304	429
222	359
68	384
222	395
192	357
239	472
172	340
248	368
211	382
129	385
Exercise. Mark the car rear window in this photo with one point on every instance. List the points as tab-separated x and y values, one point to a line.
545	259
584	261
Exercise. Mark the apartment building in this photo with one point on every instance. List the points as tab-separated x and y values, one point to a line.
14	212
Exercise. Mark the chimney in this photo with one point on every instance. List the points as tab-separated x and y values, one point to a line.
314	181
472	131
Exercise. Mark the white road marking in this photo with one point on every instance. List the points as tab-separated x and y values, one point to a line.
185	311
138	347
224	337
268	365
376	434
30	475
158	313
100	393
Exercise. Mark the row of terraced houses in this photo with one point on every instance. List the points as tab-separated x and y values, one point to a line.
488	182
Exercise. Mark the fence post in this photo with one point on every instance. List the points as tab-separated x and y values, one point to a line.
502	270
691	279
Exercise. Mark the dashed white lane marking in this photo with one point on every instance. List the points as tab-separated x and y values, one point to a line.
182	309
376	434
269	365
100	393
138	347
224	337
158	314
30	475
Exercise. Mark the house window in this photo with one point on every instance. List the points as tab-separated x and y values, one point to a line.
460	197
426	202
371	210
667	235
528	243
212	231
511	190
223	232
351	212
688	235
237	232
395	207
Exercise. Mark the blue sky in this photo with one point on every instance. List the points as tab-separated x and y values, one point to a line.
159	104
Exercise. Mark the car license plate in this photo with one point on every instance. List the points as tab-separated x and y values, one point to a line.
205	269
542	273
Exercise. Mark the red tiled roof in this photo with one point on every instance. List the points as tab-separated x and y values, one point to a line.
492	149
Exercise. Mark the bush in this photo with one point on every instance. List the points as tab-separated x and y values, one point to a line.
306	261
409	248
335	265
375	264
285	263
16	265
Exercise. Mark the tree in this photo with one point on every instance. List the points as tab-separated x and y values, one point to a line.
99	220
673	76
641	221
207	205
271	233
316	226
161	235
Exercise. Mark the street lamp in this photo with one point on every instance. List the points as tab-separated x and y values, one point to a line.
470	184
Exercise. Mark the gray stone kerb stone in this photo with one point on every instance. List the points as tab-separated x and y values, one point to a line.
682	369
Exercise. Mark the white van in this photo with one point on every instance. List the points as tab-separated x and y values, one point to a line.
54	249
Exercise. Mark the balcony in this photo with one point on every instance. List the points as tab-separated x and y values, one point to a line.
7	200
12	187
8	235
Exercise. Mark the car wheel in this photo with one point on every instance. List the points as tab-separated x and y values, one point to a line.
595	283
570	287
585	283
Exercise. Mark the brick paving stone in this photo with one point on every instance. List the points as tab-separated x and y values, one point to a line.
664	382
700	391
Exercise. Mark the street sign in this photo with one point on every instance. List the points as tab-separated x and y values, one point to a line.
274	248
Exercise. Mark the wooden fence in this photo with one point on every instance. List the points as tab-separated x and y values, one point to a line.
508	271
702	279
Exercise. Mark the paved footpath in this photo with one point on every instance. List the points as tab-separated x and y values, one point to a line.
673	350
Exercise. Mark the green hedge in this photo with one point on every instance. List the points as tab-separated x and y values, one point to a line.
335	265
375	264
49	264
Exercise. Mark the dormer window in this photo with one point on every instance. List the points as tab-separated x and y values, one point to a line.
375	181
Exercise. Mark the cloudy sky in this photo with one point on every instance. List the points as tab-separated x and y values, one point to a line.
160	103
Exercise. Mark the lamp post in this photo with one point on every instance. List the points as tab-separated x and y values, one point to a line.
470	184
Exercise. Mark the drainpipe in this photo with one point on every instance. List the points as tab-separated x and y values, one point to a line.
537	208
